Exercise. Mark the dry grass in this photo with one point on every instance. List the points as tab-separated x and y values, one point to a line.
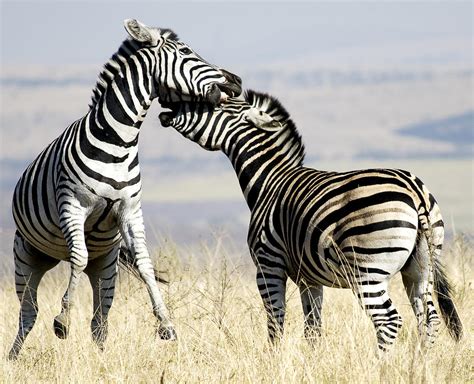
222	332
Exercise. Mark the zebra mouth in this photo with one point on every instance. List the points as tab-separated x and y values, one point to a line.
219	93
167	117
233	85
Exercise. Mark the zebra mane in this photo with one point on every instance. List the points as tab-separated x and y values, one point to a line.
272	106
168	34
112	67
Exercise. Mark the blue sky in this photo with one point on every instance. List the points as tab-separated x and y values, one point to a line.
227	33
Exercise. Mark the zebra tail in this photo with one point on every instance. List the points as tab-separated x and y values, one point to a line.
448	310
126	263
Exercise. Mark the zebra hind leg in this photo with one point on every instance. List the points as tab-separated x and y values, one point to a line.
376	302
102	273
312	301
30	267
417	276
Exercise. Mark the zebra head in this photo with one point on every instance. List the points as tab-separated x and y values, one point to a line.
180	74
211	126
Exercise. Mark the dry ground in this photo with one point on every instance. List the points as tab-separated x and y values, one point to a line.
222	335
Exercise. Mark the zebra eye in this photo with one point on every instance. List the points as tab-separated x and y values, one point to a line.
185	51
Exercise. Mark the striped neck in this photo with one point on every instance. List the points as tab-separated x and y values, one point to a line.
123	93
125	64
261	158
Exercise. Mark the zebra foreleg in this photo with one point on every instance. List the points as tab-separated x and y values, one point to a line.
133	234
312	301
271	283
378	305
102	273
71	219
30	267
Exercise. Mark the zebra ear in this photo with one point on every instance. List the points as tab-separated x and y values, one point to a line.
140	32
262	120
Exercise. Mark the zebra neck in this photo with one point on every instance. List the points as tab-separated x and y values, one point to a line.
260	159
120	111
124	91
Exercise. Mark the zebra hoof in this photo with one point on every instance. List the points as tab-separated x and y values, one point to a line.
60	329
167	333
312	335
13	354
100	345
99	332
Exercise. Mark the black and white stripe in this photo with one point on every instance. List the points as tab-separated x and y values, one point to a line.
348	230
81	196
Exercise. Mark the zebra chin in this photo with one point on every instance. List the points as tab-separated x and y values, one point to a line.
167	117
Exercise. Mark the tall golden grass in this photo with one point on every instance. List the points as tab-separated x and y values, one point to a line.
222	331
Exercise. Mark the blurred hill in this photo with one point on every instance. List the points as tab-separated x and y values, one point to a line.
458	130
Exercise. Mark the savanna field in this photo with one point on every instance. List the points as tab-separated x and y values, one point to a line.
368	84
221	328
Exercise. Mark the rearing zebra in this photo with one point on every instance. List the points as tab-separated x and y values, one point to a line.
81	196
346	230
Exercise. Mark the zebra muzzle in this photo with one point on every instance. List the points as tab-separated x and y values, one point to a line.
219	93
233	85
214	94
166	119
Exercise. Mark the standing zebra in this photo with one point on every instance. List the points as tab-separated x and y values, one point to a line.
81	196
346	230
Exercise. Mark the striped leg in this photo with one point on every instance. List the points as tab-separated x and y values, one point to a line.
312	301
133	233
271	282
418	281
30	267
102	273
376	302
71	219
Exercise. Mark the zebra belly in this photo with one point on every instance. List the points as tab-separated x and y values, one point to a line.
339	260
338	269
50	240
37	220
372	243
